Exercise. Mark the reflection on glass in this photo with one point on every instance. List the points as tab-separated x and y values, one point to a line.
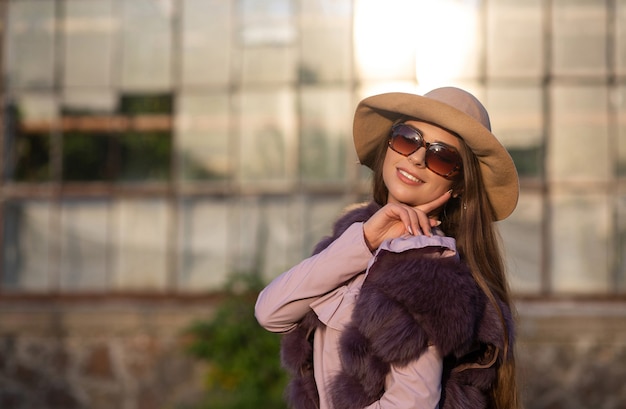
325	41
283	232
517	121
621	245
268	234
141	239
87	128
325	134
205	244
522	238
620	149
268	64
579	147
268	35
248	231
29	120
204	137
89	37
30	52
84	240
266	22
143	147
581	234
619	46
319	214
514	38
579	37
27	245
146	44
266	141
206	41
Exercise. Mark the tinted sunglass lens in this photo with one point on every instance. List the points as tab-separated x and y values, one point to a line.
441	160
404	144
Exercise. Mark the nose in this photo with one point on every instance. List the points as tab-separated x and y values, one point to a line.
418	158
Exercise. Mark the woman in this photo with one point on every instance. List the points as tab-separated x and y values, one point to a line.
406	305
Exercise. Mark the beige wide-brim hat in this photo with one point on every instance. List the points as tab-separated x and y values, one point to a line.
455	110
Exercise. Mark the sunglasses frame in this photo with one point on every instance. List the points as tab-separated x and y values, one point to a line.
427	145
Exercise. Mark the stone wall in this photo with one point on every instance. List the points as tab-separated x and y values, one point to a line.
129	354
102	355
572	355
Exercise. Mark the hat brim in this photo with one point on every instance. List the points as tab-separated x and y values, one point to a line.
375	115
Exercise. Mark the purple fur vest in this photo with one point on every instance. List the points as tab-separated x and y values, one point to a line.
406	303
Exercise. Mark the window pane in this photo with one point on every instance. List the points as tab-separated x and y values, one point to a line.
141	232
620	36
84	242
267	140
268	234
88	126
204	137
325	41
27	245
205	244
621	246
268	37
620	149
326	131
30	121
90	31
579	148
522	237
147	41
206	41
517	120
319	214
579	38
143	149
30	44
580	242
514	38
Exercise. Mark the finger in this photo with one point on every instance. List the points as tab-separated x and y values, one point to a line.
424	222
409	218
420	223
414	221
436	203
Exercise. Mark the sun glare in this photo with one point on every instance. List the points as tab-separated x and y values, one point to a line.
428	42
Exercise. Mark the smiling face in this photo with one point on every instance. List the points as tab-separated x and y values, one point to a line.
407	178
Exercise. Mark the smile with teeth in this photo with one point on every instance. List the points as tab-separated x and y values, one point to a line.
409	176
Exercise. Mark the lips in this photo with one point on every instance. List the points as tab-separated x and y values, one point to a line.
408	177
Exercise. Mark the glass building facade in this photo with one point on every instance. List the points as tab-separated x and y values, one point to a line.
157	146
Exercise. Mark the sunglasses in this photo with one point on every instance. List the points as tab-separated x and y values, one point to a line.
439	158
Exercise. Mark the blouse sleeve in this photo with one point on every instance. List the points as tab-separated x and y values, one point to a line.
288	297
416	385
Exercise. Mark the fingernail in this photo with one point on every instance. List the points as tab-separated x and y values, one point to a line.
449	191
410	230
438	223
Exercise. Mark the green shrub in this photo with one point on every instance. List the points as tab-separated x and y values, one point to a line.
243	358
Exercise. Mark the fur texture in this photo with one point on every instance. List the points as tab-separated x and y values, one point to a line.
407	302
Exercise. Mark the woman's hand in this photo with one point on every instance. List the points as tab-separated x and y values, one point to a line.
394	220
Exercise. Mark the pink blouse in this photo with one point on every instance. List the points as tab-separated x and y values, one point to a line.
329	283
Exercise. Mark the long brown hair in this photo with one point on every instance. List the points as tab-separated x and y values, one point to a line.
469	218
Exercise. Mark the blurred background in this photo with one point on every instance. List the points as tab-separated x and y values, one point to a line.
152	150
